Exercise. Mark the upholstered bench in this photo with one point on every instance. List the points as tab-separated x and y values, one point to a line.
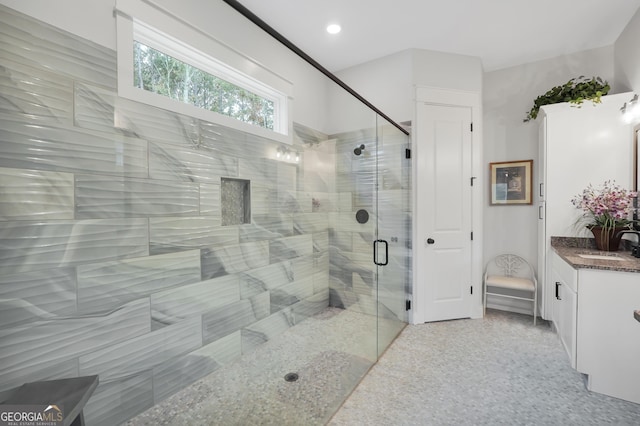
513	273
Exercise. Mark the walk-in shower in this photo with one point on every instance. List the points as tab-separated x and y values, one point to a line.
189	262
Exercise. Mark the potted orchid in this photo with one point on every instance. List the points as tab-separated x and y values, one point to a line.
607	211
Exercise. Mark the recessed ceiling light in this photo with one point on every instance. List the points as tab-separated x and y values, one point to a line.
334	29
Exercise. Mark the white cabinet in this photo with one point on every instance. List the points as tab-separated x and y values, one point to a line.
544	244
578	147
565	304
608	334
593	315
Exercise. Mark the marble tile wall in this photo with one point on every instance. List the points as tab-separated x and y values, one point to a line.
114	259
379	181
114	256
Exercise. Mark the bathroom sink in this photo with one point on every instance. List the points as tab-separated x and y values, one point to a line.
600	257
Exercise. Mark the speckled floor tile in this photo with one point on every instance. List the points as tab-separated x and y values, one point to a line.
330	352
499	370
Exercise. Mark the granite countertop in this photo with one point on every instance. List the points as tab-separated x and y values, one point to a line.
570	250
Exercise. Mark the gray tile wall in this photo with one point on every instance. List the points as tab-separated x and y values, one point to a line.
378	181
114	259
113	256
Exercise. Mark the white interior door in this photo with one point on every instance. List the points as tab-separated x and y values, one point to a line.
444	211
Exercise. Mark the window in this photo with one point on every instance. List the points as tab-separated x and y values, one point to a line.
160	73
197	75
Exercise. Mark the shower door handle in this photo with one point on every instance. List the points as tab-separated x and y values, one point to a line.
375	252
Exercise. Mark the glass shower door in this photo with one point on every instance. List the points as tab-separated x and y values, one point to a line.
393	224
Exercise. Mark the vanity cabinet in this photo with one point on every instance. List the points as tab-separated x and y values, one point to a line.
565	304
594	318
608	334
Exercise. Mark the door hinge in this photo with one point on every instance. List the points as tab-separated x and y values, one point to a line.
407	153
471	235
472	127
471	289
407	305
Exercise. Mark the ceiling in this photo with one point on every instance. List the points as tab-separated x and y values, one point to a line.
502	33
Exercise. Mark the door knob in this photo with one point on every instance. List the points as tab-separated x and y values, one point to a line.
430	241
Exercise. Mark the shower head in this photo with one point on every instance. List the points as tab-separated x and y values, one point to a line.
359	149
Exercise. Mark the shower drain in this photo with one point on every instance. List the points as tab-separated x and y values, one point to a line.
291	377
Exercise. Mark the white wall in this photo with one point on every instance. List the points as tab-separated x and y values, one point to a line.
627	57
386	83
508	96
389	82
94	20
447	70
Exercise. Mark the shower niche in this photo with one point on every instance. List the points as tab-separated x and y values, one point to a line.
235	201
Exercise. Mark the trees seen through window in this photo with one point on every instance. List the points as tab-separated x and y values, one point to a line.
160	73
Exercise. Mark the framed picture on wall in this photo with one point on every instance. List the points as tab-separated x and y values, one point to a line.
511	182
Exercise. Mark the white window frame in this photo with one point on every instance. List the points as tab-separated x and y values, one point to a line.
190	47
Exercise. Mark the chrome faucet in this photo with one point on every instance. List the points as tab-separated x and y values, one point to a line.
635	249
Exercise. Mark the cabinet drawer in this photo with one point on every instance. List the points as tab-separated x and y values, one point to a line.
566	273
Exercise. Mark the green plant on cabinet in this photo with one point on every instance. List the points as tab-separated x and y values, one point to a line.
574	91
